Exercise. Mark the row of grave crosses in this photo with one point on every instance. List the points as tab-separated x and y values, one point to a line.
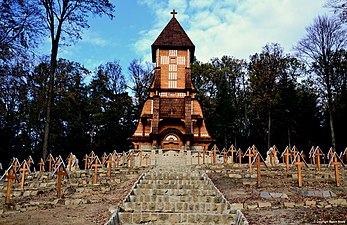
17	171
316	155
289	156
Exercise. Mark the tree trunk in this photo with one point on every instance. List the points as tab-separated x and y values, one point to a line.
332	130
330	108
50	100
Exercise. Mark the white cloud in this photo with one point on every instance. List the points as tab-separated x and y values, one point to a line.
238	28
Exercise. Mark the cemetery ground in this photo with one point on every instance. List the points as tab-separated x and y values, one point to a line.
278	200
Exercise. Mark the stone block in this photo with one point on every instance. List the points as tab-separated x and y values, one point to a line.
264	204
284	195
289	204
251	206
276	194
341	201
265	195
299	204
309	193
26	193
326	194
233	175
236	206
310	203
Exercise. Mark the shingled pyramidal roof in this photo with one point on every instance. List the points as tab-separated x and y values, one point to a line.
173	37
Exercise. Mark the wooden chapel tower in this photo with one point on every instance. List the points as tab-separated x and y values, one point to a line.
172	118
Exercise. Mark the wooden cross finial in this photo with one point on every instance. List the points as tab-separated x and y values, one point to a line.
173	13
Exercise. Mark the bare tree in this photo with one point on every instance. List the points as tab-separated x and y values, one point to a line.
19	28
321	45
339	7
141	76
66	19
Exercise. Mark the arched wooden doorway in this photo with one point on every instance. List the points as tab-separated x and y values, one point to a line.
171	139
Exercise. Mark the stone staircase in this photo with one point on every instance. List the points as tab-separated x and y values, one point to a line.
175	196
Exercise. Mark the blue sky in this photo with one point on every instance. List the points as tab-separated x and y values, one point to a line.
237	28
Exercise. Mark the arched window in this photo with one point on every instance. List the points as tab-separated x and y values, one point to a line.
171	136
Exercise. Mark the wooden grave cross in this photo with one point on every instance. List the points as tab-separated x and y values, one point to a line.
258	159
311	155
110	163
58	160
10	174
316	155
344	154
203	156
117	158
286	154
104	158
299	162
30	161
91	155
330	153
336	161
130	159
232	150
24	169
146	156
86	161
60	171
140	157
15	164
294	151
239	153
96	164
225	155
214	153
199	155
250	155
269	153
42	165
70	160
123	159
274	154
51	161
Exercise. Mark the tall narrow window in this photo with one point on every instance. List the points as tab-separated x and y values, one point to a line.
172	52
172	67
181	60
164	60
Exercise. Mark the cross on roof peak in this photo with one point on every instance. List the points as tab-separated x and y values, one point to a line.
173	13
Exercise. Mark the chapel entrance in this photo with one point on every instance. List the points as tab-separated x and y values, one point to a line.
171	141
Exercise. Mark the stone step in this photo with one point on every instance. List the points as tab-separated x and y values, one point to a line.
167	198
173	192
190	182
176	186
173	176
176	207
176	218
